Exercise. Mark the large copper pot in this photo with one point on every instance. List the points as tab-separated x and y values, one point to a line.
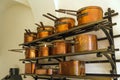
61	47
85	42
89	14
86	14
43	33
72	68
44	49
29	37
29	68
31	52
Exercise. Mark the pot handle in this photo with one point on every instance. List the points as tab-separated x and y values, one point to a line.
26	31
42	25
65	12
81	15
52	16
49	17
37	25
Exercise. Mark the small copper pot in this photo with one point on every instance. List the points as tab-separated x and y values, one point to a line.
31	52
61	27
85	42
44	71
48	28
72	68
44	49
89	14
29	68
29	37
69	20
61	47
43	33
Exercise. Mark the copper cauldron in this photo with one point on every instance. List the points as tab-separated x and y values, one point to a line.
44	49
29	68
85	42
72	68
31	52
89	14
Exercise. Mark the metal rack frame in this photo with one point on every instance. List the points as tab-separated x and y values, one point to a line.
105	25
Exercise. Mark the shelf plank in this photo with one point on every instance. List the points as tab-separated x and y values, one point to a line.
87	76
86	62
70	54
71	32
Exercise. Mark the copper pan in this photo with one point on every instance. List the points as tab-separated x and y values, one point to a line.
72	68
86	42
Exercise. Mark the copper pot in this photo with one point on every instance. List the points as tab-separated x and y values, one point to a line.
44	49
44	33
43	71
29	68
69	46
62	26
85	42
89	14
29	37
48	28
69	20
61	47
30	52
72	68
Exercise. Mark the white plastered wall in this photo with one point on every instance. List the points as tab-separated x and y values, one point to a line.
14	20
18	17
